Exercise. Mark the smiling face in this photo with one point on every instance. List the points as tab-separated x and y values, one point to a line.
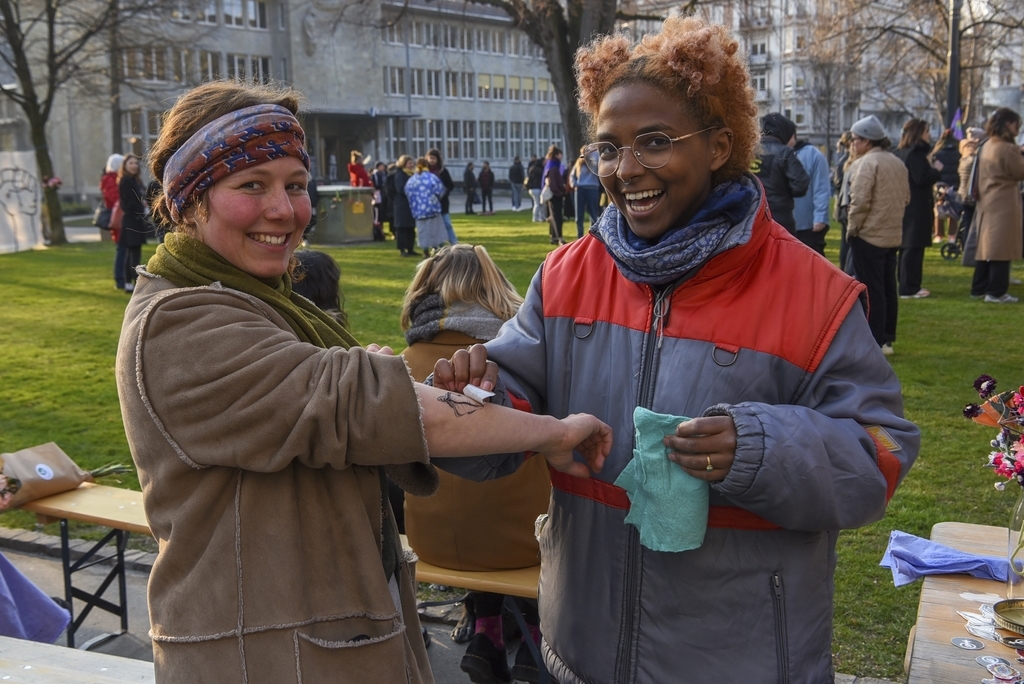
256	216
655	200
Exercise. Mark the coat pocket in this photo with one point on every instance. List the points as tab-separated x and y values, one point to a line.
351	651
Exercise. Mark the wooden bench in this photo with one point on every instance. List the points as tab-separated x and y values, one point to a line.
120	510
28	661
523	582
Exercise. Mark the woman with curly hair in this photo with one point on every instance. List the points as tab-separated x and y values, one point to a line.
765	418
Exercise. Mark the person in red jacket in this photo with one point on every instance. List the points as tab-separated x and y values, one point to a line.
357	175
108	186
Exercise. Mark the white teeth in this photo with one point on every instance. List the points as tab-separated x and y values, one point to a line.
633	196
269	239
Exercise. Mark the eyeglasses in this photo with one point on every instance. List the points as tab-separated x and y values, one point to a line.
651	150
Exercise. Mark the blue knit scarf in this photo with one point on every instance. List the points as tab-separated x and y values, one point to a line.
683	249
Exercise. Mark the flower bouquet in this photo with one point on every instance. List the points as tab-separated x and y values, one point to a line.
1005	411
9	486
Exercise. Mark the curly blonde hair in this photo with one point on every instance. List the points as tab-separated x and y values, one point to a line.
693	59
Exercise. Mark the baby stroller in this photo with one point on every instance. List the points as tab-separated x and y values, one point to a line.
948	205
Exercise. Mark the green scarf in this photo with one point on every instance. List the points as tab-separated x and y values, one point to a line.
187	262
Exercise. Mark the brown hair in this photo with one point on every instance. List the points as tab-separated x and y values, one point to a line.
123	171
195	109
355	156
691	59
998	125
462	273
913	131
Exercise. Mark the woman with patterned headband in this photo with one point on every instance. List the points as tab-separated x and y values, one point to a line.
262	431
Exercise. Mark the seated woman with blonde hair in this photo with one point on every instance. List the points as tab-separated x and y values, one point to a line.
457	298
262	430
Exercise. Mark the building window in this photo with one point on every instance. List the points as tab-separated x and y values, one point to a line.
433	83
466	88
486	149
419	137
284	69
799	120
529	137
393	33
513	88
417	87
134	136
456	37
209	66
425	34
759	82
501	140
801	42
451	84
483	42
281	16
527	89
556	135
435	132
542	90
483	86
498	91
394	81
257	14
544	136
453	149
1005	72
516	138
233	15
236	67
182	11
469	139
498	42
182	69
551	93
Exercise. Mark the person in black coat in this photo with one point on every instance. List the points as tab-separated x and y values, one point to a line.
534	184
779	169
516	178
469	187
947	151
437	167
381	200
919	217
134	226
403	222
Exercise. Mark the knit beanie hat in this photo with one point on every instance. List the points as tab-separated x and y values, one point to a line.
778	126
114	162
869	128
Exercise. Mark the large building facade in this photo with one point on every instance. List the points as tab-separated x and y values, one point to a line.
385	79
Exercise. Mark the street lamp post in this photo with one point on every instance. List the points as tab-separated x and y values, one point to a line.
953	61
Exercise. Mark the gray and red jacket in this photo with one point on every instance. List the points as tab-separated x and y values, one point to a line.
767	332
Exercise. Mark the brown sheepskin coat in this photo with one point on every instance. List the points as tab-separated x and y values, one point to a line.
254	452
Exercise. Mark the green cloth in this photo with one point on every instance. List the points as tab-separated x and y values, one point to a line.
668	506
187	262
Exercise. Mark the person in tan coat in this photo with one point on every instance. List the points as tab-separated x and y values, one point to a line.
998	213
261	430
458	298
879	193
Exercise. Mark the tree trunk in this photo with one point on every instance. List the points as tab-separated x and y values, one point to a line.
53	218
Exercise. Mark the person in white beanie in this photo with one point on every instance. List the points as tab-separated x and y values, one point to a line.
879	193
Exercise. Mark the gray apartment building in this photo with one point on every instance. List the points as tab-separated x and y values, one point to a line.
386	78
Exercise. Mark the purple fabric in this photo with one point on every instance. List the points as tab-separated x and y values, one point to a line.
25	611
910	557
238	140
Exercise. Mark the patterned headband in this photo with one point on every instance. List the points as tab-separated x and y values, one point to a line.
238	140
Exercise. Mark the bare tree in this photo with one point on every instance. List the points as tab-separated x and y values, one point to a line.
905	48
830	76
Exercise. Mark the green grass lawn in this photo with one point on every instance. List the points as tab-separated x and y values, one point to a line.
60	317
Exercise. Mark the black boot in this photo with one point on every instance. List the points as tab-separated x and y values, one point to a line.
484	662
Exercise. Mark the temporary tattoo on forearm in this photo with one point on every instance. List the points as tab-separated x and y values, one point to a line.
462	405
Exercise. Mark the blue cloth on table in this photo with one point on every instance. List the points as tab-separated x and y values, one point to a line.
25	611
668	506
911	557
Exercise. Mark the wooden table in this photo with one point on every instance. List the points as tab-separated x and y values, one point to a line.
120	510
933	659
28	661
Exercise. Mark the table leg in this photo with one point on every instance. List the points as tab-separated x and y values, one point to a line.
95	599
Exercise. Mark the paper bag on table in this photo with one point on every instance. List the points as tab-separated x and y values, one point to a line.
41	471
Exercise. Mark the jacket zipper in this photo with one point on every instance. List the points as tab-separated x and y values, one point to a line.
625	661
781	640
